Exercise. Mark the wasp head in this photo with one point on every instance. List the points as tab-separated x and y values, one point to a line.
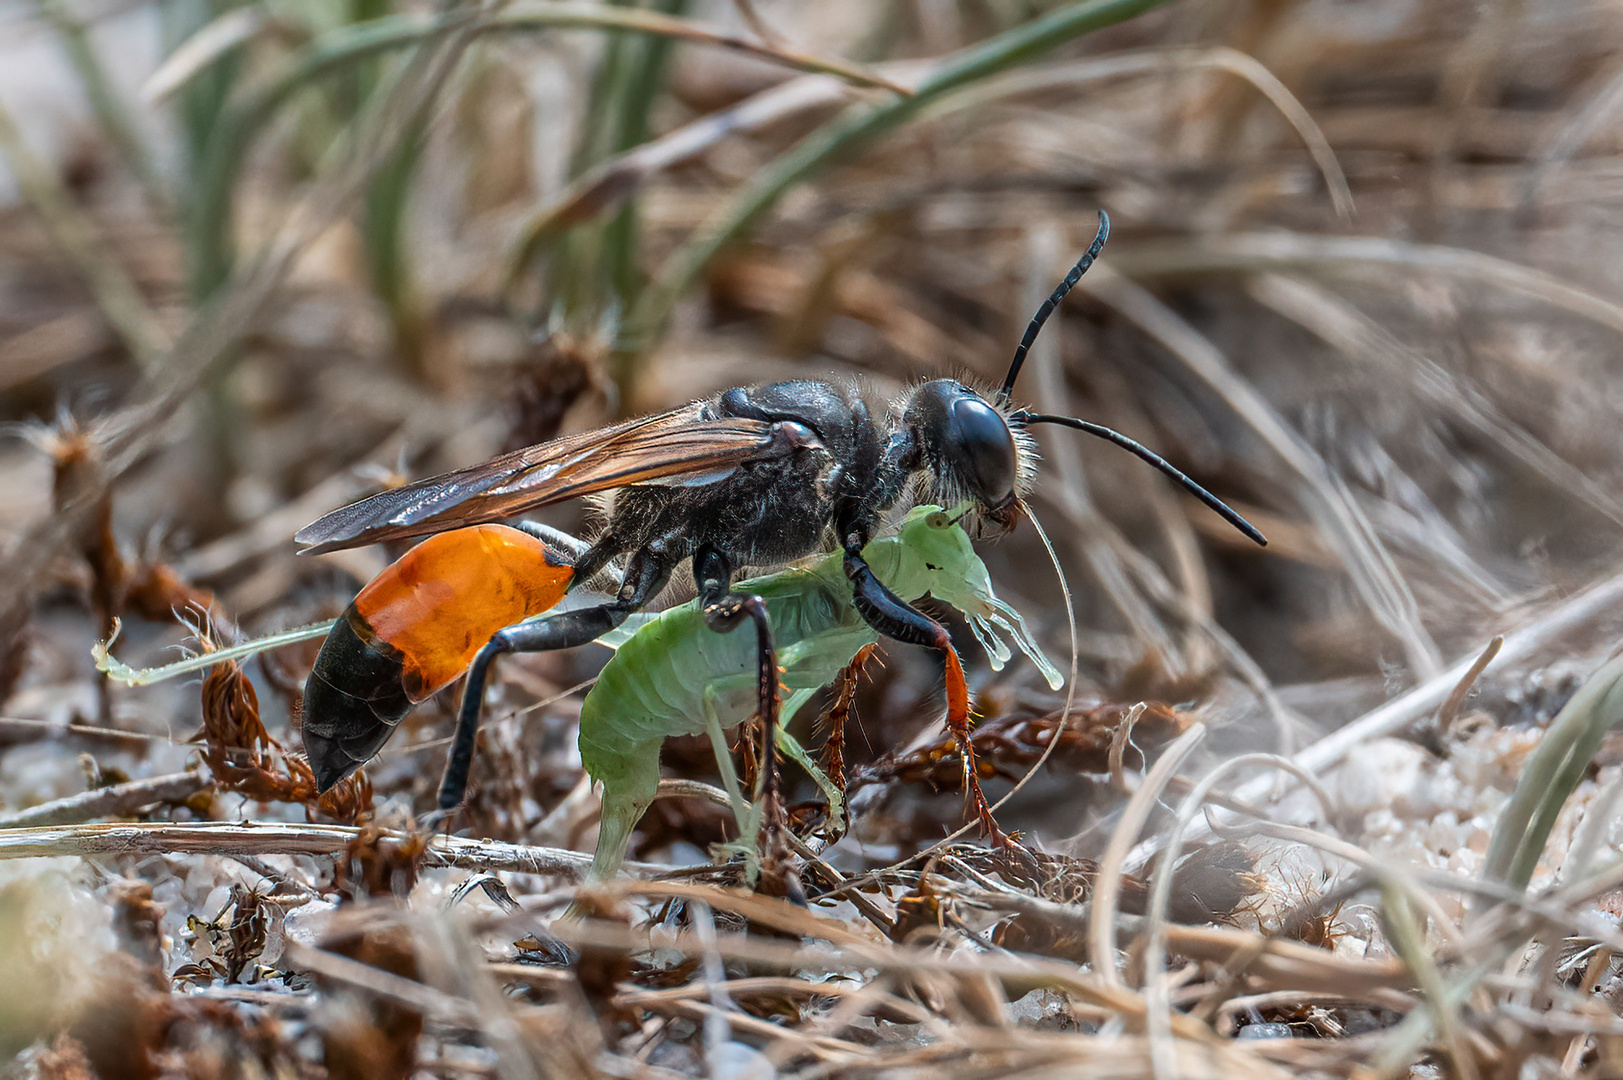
968	450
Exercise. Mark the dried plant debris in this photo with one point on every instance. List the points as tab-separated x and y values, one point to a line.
377	864
1010	745
367	1034
230	942
118	583
244	757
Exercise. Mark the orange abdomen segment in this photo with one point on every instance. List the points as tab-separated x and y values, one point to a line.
442	600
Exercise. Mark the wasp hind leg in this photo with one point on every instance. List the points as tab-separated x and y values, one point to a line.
646	574
724	611
900	621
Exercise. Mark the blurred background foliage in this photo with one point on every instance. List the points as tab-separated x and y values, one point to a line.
1363	283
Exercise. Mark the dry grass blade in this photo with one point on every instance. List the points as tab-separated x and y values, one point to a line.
15	730
1091	535
1315	486
1017	975
1178	59
600	17
1282	966
1101	925
610	184
1342	325
1536	634
1156	990
849	133
1259	252
207	45
1449	710
1564	142
321	260
385	985
1408	938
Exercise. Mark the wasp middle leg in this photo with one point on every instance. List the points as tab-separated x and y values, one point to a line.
724	611
646	574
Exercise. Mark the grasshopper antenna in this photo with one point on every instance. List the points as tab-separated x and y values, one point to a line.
1223	509
1070	682
1051	303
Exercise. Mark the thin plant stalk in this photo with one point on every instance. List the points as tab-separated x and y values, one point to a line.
77	237
851	131
595	269
227	141
111	113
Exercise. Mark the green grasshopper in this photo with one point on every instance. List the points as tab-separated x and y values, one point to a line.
670	675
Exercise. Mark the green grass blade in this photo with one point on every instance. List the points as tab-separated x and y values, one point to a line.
230	136
1551	774
111	112
855	129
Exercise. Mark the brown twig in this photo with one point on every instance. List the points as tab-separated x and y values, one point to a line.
108	801
15	730
281	838
1451	707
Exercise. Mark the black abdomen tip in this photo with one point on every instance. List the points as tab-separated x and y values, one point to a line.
353	700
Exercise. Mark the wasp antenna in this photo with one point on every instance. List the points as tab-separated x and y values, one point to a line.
1223	509
1051	303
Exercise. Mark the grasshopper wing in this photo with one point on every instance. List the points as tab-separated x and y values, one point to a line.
683	447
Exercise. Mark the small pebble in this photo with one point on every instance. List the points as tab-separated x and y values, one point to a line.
736	1061
1389	773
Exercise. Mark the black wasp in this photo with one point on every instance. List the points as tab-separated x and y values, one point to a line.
753	477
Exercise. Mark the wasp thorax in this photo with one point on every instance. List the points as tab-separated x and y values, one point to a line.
966	444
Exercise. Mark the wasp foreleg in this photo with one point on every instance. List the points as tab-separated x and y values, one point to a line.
646	574
895	618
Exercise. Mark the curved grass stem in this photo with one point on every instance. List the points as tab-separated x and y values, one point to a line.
852	130
346	46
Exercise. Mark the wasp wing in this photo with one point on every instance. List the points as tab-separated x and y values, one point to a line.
680	447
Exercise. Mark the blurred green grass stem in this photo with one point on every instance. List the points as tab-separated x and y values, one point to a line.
208	343
843	135
596	270
618	179
72	231
111	113
1551	774
230	138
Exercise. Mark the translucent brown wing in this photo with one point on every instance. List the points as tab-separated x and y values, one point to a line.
680	447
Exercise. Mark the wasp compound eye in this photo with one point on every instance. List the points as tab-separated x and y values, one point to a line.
967	441
981	449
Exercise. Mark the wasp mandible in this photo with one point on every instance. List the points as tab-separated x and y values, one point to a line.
752	477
